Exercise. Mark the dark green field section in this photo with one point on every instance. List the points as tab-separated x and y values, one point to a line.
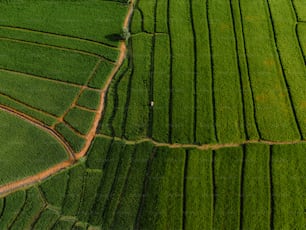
123	185
217	72
20	149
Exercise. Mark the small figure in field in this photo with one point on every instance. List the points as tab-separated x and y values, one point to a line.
152	103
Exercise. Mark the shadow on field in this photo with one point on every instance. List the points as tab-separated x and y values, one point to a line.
114	37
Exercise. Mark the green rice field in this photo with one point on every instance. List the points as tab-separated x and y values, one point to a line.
202	124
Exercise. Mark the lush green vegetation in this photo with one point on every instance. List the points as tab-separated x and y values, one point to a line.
256	187
32	205
74	139
182	69
199	190
163	194
204	118
102	73
18	156
161	89
45	62
37	92
47	219
267	78
51	61
54	190
58	42
45	118
138	104
288	186
13	204
88	20
73	193
227	182
80	119
89	99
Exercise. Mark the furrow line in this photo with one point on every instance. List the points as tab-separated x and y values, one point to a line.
195	75
248	71
212	69
28	106
151	78
239	66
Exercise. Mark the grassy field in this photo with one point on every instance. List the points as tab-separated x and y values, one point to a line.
203	125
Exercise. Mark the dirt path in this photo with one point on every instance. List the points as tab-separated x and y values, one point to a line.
91	134
204	146
122	55
13	186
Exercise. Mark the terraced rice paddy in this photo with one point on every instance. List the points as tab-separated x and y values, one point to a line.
52	75
201	127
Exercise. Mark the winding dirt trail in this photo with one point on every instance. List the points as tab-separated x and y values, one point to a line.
28	181
123	50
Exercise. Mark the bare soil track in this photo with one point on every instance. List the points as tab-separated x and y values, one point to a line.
14	186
